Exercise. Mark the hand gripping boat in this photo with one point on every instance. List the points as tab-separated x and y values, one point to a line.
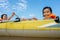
39	28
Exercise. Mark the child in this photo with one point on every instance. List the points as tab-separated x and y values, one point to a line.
4	17
47	14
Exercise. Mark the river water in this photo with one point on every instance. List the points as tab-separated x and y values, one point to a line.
28	38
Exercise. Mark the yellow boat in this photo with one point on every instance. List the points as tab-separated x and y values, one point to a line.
39	28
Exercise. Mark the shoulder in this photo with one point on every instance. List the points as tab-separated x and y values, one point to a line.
53	14
0	19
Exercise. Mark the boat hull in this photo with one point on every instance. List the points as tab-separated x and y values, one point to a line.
29	29
31	33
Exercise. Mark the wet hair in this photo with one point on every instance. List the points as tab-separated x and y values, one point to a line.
46	8
3	15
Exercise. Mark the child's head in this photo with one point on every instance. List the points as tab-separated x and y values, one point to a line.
47	11
4	16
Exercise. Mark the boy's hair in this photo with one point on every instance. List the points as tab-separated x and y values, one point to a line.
3	15
47	8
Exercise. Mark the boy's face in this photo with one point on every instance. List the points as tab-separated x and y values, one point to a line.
4	17
46	12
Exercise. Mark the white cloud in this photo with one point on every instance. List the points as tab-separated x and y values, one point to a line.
14	7
7	8
4	4
24	1
23	17
0	13
31	15
2	0
22	5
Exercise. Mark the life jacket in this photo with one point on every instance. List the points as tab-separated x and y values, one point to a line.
53	16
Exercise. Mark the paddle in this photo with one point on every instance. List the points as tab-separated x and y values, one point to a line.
17	18
57	19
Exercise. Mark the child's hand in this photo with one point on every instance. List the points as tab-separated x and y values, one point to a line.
13	13
0	20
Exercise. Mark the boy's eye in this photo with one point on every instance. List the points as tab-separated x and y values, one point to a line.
44	15
47	11
44	12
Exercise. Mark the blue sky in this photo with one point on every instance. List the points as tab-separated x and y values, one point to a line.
28	8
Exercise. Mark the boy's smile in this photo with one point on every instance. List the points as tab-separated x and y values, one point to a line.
46	12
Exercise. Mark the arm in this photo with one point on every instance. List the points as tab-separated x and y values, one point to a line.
11	16
0	20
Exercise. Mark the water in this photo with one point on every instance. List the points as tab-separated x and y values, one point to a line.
55	26
28	38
